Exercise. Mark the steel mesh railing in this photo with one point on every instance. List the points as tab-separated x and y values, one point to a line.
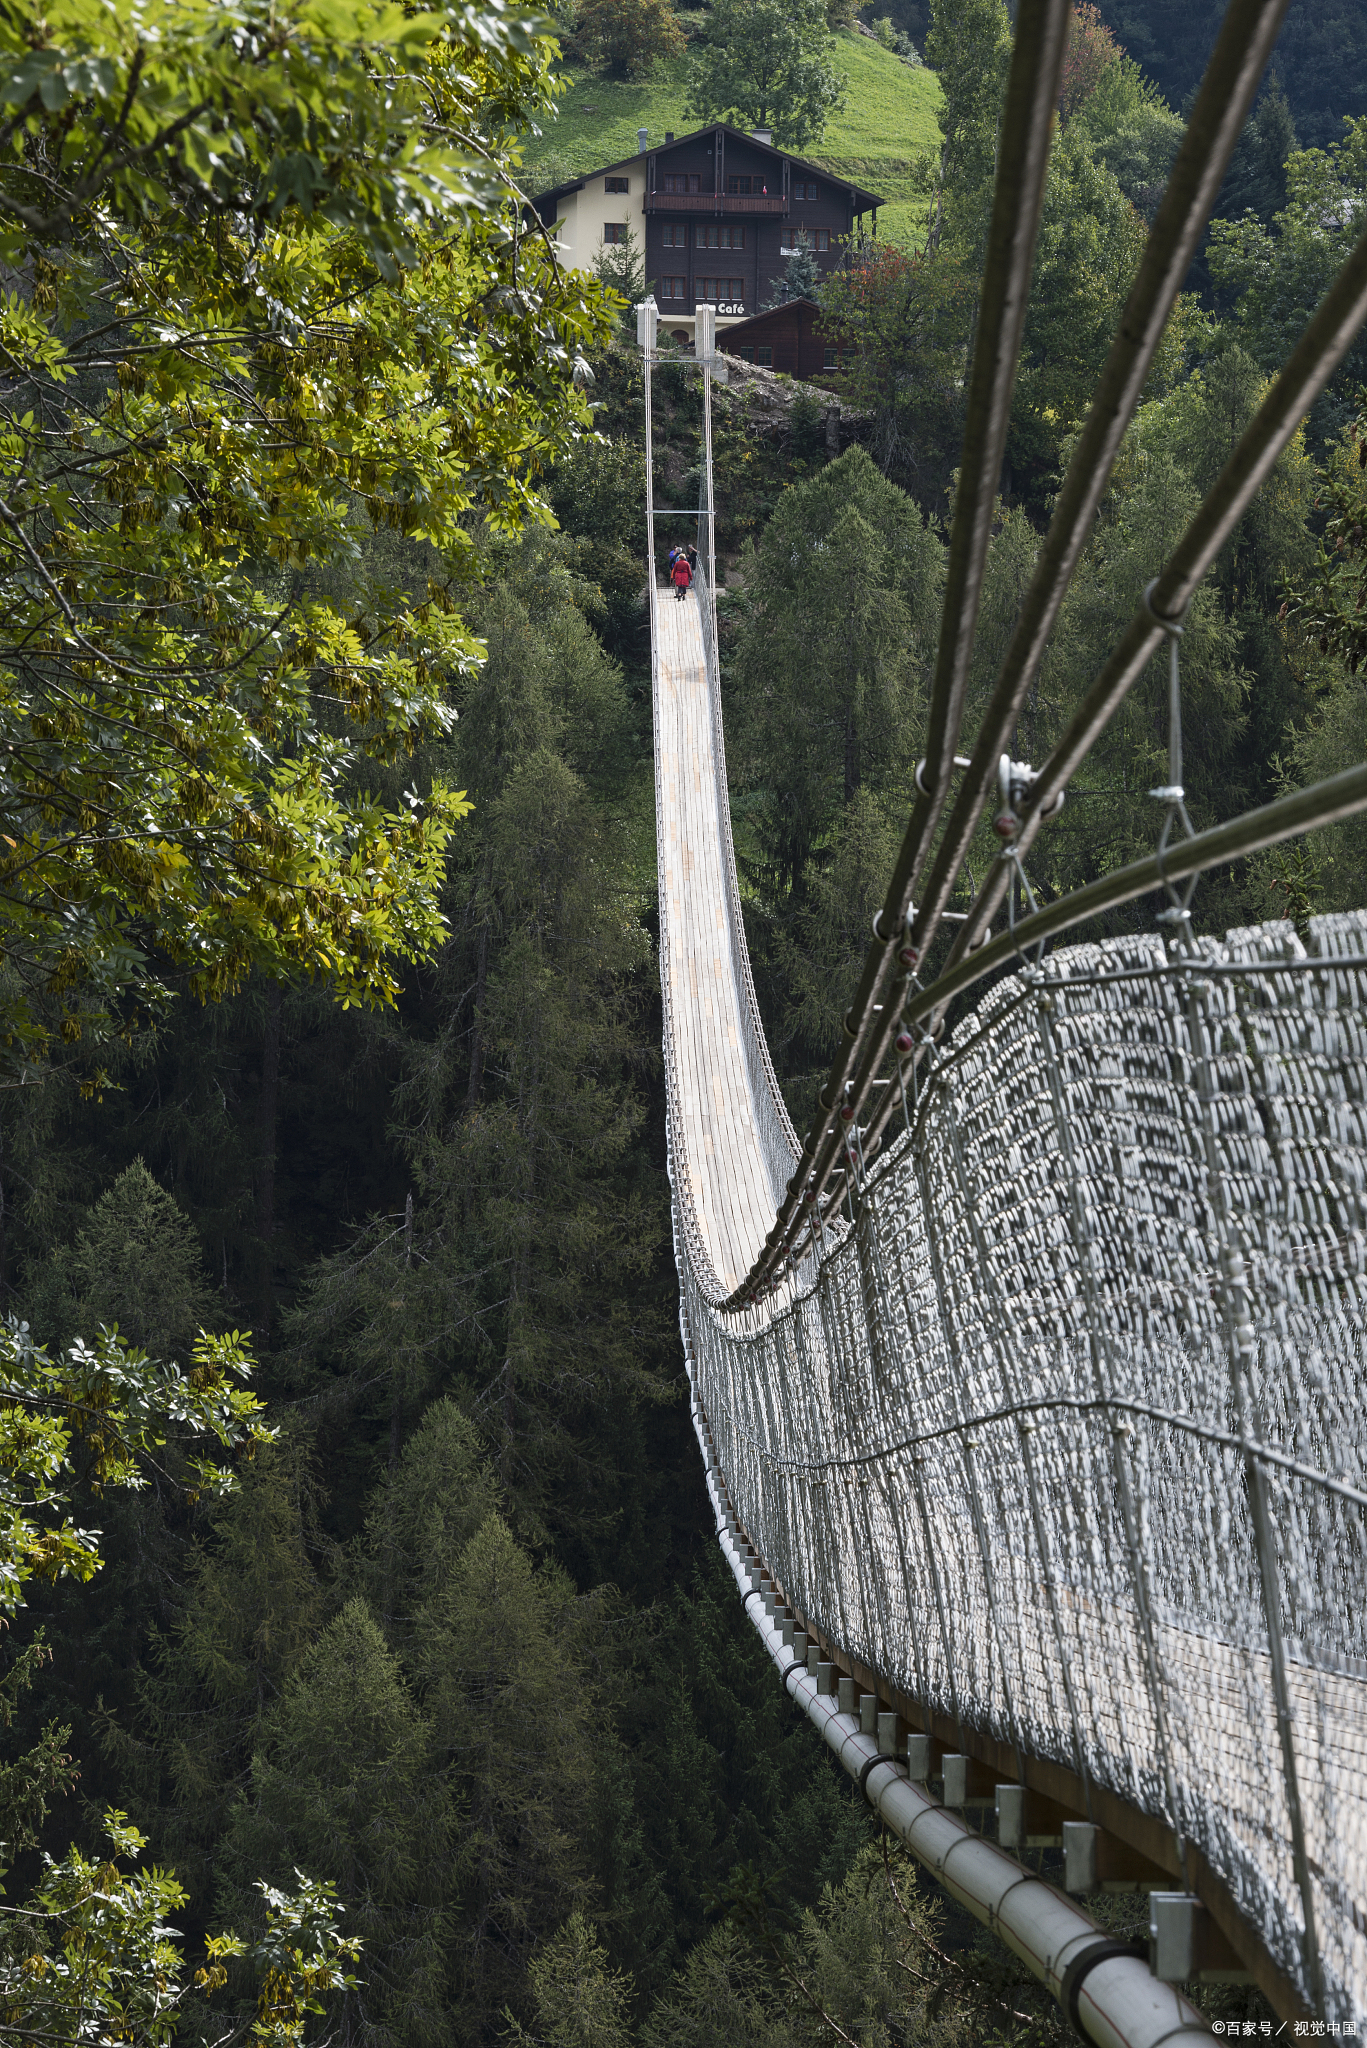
1004	1450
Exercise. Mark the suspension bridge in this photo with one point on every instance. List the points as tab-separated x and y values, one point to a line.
1030	1380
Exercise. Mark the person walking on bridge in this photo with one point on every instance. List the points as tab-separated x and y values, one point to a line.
681	575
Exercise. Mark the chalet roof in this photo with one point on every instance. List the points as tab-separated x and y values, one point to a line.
737	329
863	201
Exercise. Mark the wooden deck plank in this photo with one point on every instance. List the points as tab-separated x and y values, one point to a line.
724	1169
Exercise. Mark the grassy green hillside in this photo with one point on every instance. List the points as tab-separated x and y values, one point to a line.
890	119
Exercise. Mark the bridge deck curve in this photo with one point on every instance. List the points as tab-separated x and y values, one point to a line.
719	1166
1000	1446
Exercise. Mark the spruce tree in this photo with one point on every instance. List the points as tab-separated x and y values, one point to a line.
137	1264
343	1785
801	277
497	1663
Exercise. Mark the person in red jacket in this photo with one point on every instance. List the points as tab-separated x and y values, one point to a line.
681	575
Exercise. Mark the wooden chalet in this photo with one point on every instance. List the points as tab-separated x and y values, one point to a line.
716	215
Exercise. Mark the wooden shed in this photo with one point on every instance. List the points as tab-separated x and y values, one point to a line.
789	337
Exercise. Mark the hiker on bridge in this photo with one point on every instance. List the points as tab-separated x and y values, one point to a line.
681	575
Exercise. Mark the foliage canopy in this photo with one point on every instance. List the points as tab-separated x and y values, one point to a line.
194	731
767	64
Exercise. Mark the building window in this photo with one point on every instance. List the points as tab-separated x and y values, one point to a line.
615	231
804	188
673	288
712	236
717	291
617	184
821	237
683	181
831	360
740	184
747	355
764	358
675	235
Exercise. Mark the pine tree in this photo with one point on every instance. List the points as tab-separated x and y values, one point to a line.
248	1606
422	1514
343	1785
497	1665
830	654
727	1772
580	2001
137	1264
521	1287
621	266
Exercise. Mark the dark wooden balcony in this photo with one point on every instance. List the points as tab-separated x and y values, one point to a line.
716	202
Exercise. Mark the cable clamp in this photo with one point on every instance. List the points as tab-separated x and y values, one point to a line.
1172	627
1171	794
870	1765
1015	780
960	761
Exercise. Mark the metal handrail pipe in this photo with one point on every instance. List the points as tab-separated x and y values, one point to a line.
1119	2003
1245	43
1304	810
1041	44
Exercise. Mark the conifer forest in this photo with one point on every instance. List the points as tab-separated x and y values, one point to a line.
369	1674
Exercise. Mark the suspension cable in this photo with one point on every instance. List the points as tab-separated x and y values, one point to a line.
1246	38
1022	169
1311	364
1321	348
1245	43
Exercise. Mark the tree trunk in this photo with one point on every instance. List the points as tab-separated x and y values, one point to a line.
267	1117
851	755
481	981
396	1400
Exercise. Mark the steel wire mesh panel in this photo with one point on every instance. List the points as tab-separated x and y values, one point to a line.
1066	1439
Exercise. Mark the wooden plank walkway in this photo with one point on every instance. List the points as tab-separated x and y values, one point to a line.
722	1168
